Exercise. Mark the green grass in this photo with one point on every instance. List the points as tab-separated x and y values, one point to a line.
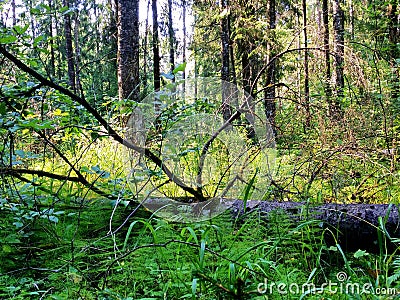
153	259
59	241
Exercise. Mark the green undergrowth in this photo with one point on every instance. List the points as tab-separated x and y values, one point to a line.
86	254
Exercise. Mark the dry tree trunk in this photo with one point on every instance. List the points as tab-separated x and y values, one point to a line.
353	226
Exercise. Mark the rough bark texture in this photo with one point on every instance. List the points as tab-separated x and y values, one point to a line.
68	49
184	37
79	88
356	226
306	73
14	15
338	27
269	94
394	53
52	65
156	50
224	43
128	49
171	39
325	16
226	111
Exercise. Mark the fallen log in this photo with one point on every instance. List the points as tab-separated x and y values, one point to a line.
355	226
352	226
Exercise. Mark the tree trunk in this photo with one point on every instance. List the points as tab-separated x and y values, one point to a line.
225	39
338	27
14	15
128	49
394	53
184	42
52	54
231	55
225	43
246	72
68	49
355	226
145	54
269	92
325	16
351	18
352	226
156	50
79	87
171	39
306	73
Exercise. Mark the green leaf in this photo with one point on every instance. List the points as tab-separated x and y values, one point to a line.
179	68
360	253
53	219
18	224
20	30
37	40
8	39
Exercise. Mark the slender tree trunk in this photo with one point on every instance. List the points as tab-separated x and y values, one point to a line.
171	37
394	53
351	18
225	43
338	27
184	35
52	54
306	73
68	48
246	72
325	13
79	87
225	39
128	49
14	15
145	41
334	106
156	50
269	93
231	54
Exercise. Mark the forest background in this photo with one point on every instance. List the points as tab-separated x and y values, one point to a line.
326	74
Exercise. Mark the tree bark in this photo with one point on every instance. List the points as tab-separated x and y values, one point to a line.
79	88
325	16
184	34
128	49
156	50
224	43
394	53
52	54
225	39
355	226
14	15
68	48
269	93
338	27
306	73
171	39
145	46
